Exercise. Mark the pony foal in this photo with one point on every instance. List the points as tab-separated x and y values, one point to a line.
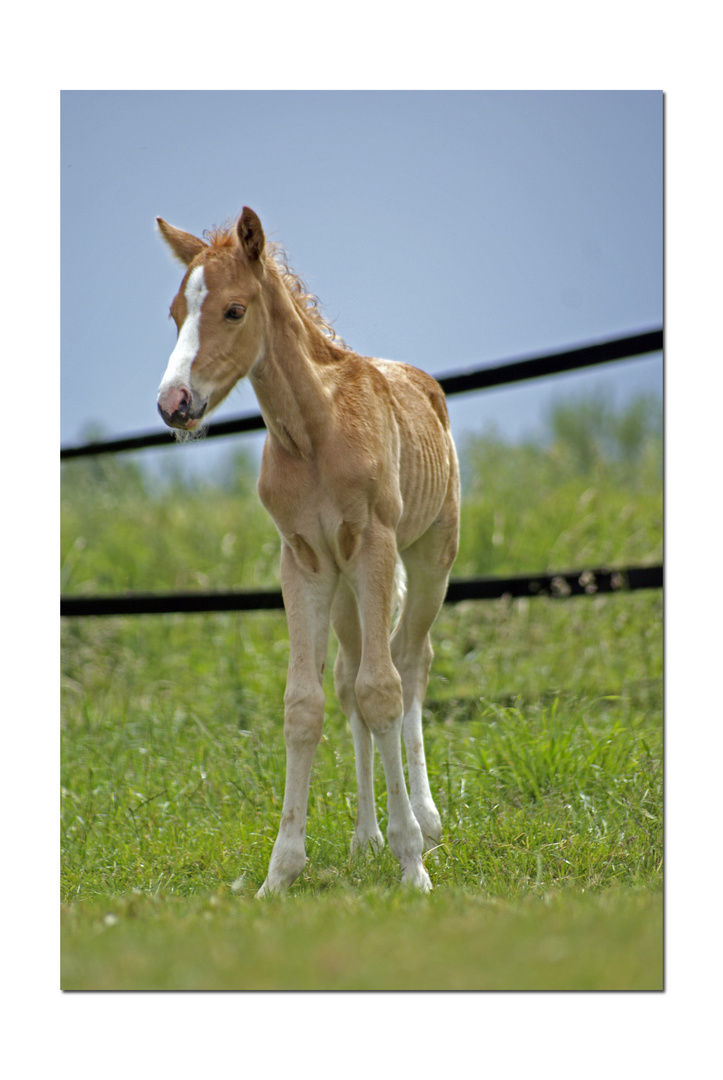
359	473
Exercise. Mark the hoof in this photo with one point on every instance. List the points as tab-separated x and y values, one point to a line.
417	878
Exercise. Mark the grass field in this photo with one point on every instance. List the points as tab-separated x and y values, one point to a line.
543	728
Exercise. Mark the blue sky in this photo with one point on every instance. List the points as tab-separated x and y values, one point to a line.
445	229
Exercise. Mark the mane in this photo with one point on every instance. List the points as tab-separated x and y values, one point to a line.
306	302
222	237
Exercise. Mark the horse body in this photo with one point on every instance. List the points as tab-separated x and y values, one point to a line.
360	475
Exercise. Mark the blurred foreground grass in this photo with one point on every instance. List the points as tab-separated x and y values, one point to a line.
372	940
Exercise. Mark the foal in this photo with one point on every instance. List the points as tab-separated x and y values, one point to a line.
360	475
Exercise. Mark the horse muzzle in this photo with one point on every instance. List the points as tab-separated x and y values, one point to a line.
179	408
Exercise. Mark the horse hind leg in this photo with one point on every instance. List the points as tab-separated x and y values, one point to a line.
423	805
414	679
427	564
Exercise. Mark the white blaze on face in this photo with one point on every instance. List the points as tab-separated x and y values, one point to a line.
178	372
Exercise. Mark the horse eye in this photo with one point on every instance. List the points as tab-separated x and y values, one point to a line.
235	312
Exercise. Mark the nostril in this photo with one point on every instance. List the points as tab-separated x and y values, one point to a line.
175	401
184	403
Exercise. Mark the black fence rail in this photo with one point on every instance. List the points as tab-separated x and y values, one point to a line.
589	582
556	586
511	371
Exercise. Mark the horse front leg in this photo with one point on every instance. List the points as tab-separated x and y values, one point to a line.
345	624
307	599
379	694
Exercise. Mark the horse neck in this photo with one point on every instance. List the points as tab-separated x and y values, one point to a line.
293	376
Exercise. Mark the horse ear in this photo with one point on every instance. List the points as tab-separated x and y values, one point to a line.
250	234
183	245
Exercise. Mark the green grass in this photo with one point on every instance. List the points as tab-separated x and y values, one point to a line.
369	940
544	738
